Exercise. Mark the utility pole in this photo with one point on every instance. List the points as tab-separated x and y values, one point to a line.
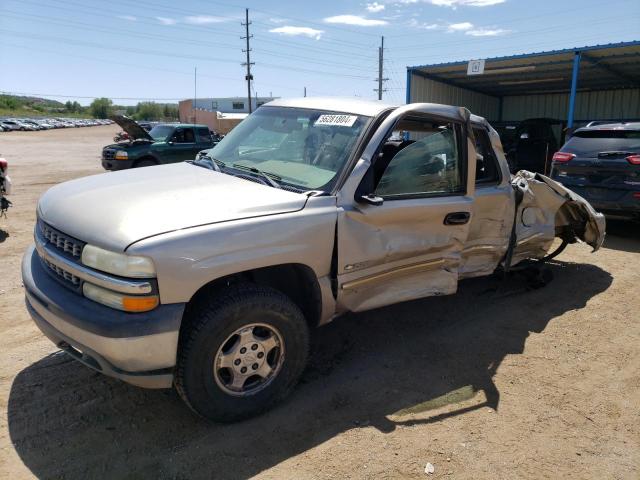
248	63
380	78
195	94
305	91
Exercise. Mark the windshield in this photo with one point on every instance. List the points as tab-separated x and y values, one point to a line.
301	147
161	132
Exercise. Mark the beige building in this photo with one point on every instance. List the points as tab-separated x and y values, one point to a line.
217	121
220	114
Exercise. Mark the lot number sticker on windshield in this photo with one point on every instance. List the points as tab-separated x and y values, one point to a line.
336	120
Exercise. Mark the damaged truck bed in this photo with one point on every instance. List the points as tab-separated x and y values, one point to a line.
203	274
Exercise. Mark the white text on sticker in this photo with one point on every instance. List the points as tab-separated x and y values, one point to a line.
336	120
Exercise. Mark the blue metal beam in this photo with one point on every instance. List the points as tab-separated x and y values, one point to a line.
574	87
409	75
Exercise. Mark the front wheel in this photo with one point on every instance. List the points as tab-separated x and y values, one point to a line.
241	352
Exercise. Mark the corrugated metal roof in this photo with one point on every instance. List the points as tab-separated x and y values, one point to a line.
615	65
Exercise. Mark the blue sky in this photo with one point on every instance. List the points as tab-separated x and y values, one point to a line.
148	49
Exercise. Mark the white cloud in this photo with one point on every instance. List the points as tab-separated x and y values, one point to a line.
166	20
423	25
487	32
204	19
466	3
375	7
453	3
355	20
459	27
129	18
296	31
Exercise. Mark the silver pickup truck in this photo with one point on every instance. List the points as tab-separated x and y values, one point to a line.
209	275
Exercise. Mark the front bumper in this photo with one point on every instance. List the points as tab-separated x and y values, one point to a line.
114	165
139	348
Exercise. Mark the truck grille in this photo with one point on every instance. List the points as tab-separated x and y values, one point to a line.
67	278
61	241
108	154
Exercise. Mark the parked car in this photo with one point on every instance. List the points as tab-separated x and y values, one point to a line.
602	163
209	275
10	125
165	143
536	140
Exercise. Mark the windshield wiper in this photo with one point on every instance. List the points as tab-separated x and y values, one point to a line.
267	176
212	163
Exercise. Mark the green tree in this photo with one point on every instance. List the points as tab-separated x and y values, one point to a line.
148	111
101	107
76	107
68	106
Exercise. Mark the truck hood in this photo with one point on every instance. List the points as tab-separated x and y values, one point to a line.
114	210
135	131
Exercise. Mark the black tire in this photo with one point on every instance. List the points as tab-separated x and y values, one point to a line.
210	323
145	162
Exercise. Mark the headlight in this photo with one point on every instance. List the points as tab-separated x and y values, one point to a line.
118	263
127	303
121	155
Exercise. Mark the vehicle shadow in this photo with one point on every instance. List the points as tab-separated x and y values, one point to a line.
417	362
623	235
3	235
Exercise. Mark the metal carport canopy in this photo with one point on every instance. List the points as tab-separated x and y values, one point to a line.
589	68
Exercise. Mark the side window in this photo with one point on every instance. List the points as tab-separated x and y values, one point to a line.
178	136
189	136
203	135
487	169
421	157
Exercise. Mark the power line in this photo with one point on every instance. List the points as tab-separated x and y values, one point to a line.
170	55
173	40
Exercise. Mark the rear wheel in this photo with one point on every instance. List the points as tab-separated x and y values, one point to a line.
241	352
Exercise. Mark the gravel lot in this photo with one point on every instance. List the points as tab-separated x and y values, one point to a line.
500	381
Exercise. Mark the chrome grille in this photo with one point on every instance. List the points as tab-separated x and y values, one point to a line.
62	242
63	274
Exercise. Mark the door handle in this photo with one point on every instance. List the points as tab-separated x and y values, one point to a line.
457	218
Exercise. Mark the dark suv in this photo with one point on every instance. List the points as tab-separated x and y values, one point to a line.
164	143
602	164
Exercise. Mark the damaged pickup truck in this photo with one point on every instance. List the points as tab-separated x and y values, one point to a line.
210	275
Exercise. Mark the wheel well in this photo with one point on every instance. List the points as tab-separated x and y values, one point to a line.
295	280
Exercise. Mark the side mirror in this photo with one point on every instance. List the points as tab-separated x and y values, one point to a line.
370	199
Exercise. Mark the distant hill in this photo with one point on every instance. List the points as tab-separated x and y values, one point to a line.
24	101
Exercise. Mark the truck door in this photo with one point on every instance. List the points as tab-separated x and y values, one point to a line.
402	230
183	145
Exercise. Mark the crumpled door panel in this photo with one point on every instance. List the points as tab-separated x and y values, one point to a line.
548	210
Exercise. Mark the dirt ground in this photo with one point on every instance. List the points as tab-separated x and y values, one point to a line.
500	381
